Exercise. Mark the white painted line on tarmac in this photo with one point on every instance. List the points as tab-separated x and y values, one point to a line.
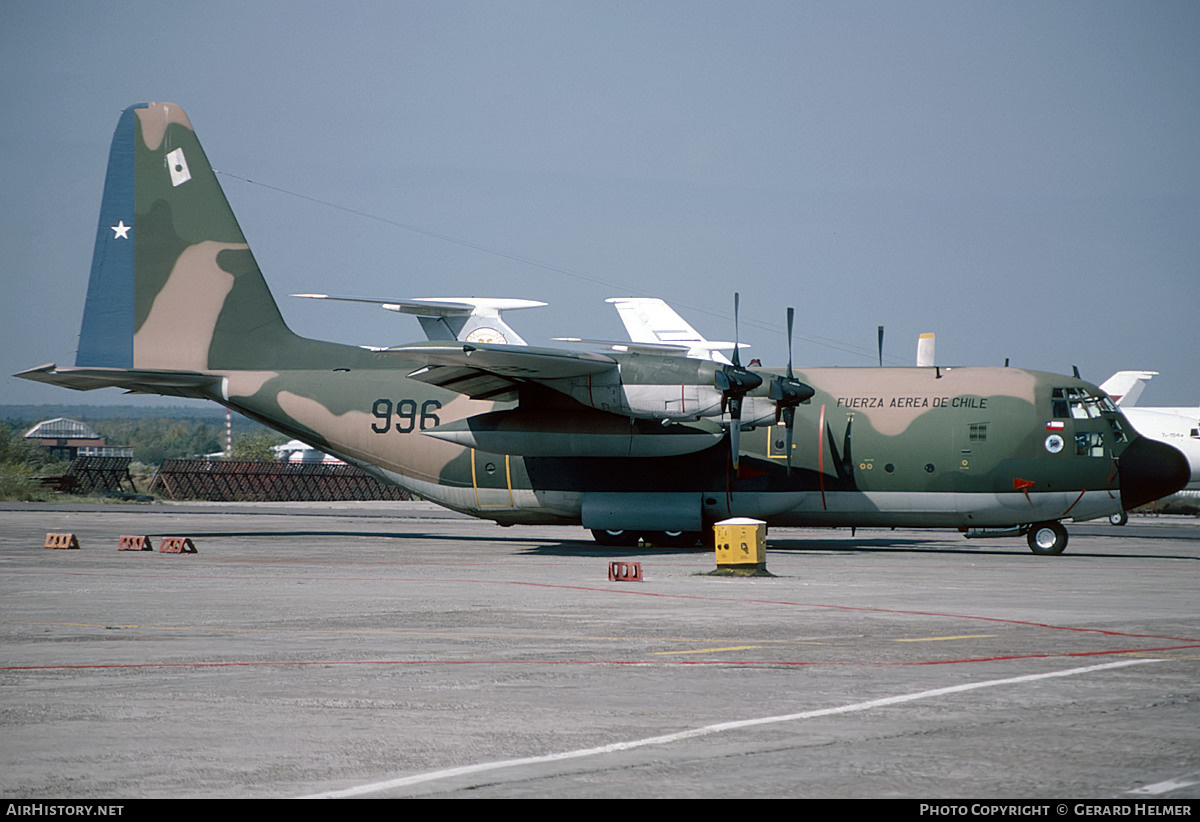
1163	787
666	739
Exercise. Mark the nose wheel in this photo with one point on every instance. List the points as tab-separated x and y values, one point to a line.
1047	539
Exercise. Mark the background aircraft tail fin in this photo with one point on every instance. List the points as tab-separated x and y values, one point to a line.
925	350
173	284
650	320
1126	386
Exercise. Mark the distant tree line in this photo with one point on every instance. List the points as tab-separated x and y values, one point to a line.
21	463
154	440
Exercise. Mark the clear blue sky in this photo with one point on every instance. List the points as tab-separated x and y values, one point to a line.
1022	178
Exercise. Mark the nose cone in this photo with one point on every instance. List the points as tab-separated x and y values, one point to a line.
1150	470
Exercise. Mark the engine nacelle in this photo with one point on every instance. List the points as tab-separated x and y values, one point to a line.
693	397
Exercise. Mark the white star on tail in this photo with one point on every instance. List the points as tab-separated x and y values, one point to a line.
120	230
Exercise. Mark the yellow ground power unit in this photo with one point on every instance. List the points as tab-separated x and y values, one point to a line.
741	544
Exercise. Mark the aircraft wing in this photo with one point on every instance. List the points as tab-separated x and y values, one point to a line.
484	371
662	349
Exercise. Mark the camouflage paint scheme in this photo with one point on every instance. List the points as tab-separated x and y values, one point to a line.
177	305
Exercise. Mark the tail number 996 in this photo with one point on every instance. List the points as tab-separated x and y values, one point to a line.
406	415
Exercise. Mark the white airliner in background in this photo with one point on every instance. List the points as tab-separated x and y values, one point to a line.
1178	427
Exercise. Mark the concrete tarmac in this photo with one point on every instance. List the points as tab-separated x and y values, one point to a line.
396	649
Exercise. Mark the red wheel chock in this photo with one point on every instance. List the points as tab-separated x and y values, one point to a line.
624	572
176	545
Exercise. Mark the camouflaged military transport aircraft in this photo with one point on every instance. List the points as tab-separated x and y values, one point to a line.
645	441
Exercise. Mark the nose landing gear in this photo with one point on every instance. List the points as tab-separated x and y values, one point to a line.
1047	539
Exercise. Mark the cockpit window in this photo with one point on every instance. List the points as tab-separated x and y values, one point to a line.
1079	404
1089	444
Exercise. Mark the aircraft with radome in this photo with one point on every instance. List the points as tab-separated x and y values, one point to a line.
637	441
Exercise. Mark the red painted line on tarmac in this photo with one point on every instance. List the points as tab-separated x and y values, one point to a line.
859	608
747	663
690	597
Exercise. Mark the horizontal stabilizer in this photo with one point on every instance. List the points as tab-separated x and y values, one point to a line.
436	306
469	319
137	380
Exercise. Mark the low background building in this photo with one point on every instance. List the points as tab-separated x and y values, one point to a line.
68	439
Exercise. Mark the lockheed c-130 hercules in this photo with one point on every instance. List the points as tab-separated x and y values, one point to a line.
641	441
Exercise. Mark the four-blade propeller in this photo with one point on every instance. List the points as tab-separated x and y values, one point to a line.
788	392
735	382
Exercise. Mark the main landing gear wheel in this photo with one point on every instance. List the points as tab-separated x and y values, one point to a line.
1047	539
1119	519
622	539
664	539
674	539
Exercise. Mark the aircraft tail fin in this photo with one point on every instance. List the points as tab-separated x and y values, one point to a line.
651	320
1124	387
173	283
